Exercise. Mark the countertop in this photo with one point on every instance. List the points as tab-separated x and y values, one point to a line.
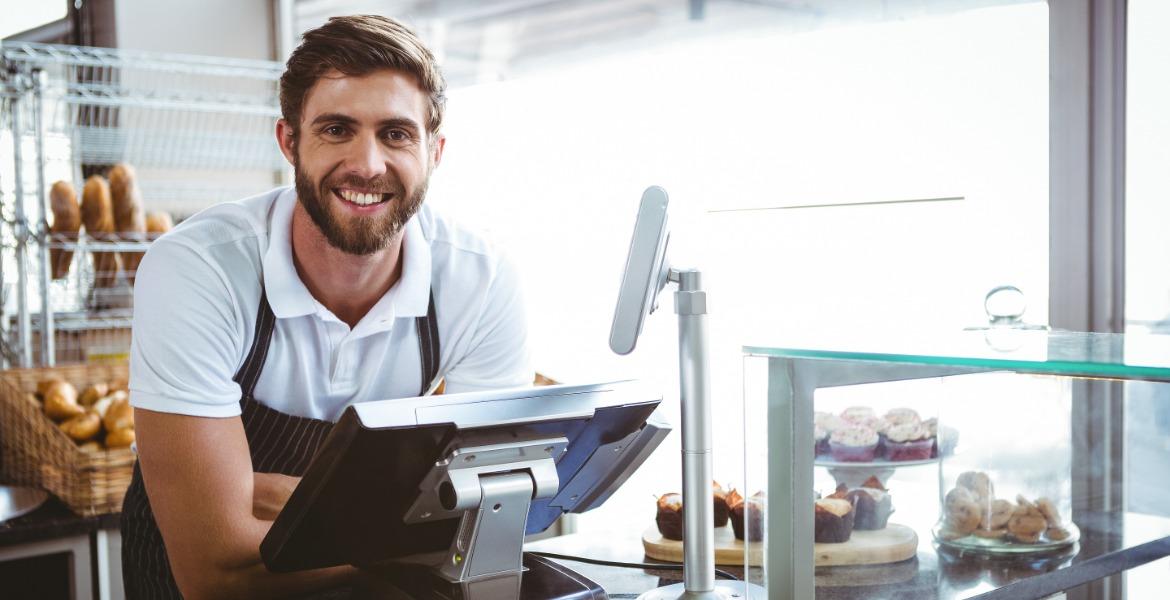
52	520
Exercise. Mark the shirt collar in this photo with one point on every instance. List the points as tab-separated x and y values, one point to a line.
287	294
289	297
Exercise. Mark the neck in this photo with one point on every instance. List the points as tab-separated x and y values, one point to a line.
346	284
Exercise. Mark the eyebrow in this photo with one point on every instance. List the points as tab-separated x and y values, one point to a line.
403	122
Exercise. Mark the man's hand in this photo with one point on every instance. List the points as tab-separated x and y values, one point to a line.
270	494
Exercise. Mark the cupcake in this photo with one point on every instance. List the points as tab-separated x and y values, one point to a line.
821	441
853	444
908	442
902	416
872	505
858	414
945	438
831	423
832	521
720	501
670	516
751	508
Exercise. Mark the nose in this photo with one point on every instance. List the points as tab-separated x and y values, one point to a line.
366	159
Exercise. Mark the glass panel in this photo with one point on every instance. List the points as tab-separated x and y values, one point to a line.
1147	293
995	506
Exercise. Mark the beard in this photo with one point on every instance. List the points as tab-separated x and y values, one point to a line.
358	235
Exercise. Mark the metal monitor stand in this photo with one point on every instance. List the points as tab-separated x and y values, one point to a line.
490	489
690	304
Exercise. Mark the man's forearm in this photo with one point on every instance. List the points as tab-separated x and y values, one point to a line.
249	578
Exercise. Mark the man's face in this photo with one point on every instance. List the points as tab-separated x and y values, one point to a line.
361	157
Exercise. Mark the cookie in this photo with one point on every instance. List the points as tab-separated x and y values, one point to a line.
1048	509
963	514
1027	538
978	483
998	514
1057	534
991	534
1027	523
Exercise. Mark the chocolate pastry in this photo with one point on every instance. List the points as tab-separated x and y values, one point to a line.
670	516
833	521
755	523
872	505
722	510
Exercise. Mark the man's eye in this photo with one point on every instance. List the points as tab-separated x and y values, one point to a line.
334	130
397	135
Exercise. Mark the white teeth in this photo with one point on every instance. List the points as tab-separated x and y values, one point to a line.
361	199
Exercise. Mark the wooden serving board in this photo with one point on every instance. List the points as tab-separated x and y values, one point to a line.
728	550
893	544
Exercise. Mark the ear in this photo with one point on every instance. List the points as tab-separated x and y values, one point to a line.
437	149
286	141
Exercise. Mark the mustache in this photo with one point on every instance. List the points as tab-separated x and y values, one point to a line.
377	185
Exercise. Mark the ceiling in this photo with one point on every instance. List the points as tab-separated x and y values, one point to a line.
490	40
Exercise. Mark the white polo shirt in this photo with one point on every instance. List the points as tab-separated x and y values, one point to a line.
197	293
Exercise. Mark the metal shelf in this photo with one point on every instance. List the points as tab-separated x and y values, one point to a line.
197	130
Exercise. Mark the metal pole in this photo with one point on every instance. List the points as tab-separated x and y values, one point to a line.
690	304
21	230
48	353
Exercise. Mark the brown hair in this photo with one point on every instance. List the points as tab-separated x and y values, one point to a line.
358	45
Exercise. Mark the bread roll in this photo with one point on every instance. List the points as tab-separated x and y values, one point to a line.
82	427
44	385
61	401
97	214
120	415
121	438
90	446
66	224
158	223
129	219
93	393
102	406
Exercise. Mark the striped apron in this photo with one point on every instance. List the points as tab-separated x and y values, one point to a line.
278	443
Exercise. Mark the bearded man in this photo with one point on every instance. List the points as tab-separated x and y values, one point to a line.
256	323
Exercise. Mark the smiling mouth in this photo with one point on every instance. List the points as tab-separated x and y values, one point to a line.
361	198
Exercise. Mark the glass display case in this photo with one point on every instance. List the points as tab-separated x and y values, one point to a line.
1015	498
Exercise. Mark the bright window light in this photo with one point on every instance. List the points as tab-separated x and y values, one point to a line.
22	16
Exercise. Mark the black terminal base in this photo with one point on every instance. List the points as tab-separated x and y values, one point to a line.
542	579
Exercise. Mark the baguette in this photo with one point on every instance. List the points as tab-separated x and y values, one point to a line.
158	223
129	219
66	224
97	214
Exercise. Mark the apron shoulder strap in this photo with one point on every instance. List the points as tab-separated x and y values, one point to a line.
428	344
249	372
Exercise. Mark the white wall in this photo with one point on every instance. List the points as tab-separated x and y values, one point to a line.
229	28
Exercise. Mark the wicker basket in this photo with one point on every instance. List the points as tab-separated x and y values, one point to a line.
33	451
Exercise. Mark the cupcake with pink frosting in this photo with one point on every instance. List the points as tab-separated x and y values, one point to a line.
903	416
910	441
858	414
857	443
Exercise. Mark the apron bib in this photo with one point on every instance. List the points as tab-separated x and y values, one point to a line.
278	442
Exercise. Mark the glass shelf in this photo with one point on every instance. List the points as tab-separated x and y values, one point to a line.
1108	355
946	574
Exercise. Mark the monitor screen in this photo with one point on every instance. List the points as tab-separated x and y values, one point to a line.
351	506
